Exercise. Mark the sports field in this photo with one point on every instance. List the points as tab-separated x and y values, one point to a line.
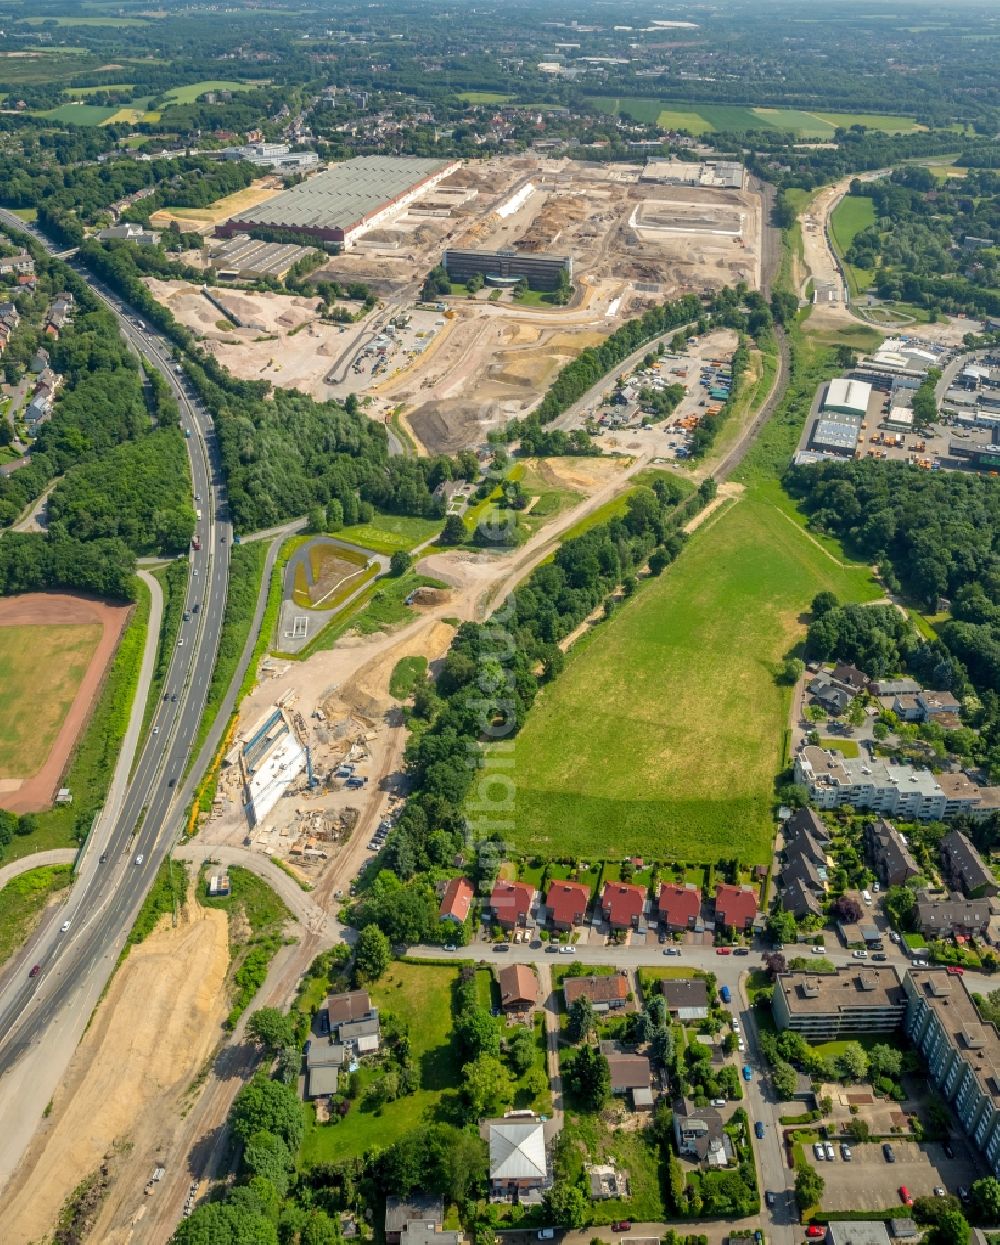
41	669
702	118
663	735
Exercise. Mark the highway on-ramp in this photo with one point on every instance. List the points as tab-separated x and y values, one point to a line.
128	844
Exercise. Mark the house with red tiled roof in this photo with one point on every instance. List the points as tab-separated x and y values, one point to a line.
679	906
457	901
567	903
511	903
622	904
735	906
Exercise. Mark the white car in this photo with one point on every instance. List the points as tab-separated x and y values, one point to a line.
741	1045
139	859
736	1024
860	955
830	1156
818	1151
64	927
818	950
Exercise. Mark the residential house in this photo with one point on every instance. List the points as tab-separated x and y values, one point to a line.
679	906
933	704
511	903
954	916
129	232
456	901
891	858
605	993
16	265
894	687
805	860
421	1232
686	997
806	819
735	907
800	900
966	868
699	1135
10	316
623	904
399	1212
905	706
324	1060
849	677
518	987
353	1021
829	695
629	1072
39	361
518	1163
567	904
58	315
858	1232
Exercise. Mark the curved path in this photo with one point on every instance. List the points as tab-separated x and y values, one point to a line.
37	860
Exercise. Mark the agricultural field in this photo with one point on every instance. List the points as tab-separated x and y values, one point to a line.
80	114
706	118
84	21
188	94
41	668
419	995
681	761
484	97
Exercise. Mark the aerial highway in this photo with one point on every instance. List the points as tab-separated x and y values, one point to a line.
127	845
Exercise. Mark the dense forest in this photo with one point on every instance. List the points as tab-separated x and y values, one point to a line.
932	535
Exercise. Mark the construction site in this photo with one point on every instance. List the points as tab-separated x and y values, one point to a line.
461	367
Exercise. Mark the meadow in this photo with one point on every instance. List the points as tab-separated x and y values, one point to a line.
851	215
41	668
680	761
705	118
188	94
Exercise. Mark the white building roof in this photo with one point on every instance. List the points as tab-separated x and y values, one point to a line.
517	1150
848	395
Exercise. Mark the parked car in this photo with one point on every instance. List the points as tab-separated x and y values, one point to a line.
949	1152
879	957
723	951
888	1153
940	1191
502	946
830	1153
622	1225
814	1230
718	1102
963	1192
955	971
818	1152
860	955
741	951
567	951
758	1131
818	950
450	946
672	951
770	1199
741	1045
747	1072
904	1195
845	1152
546	1234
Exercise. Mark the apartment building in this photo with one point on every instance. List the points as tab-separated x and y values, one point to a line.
851	1001
962	1053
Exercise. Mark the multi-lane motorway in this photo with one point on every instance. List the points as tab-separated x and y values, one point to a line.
128	844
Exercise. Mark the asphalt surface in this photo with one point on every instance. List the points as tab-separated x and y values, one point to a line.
125	851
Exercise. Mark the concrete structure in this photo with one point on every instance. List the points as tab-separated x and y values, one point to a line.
243	256
519	1168
271	757
900	790
542	272
838	436
344	202
717	174
272	156
826	1006
962	1053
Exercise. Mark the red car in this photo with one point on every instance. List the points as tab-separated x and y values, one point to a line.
955	970
815	1230
622	1225
904	1195
723	951
35	971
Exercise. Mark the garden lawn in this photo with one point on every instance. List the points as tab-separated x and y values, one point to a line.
680	761
421	996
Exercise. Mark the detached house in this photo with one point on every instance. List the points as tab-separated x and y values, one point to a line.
623	904
735	907
699	1134
457	901
679	906
605	993
567	904
518	988
511	903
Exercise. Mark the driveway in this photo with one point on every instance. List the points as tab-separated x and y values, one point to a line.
554	1125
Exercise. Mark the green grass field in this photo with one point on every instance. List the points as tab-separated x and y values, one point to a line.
679	763
41	668
703	118
388	532
188	94
421	996
485	97
80	114
851	215
84	21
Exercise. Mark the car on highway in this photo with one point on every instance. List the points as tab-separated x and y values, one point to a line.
747	1072
139	859
35	971
180	644
156	730
888	1153
103	859
758	1131
904	1195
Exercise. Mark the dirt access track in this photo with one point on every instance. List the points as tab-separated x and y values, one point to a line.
162	1018
30	793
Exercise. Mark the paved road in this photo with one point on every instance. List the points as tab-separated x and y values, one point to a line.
125	850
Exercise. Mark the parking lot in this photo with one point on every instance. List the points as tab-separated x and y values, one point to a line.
868	1182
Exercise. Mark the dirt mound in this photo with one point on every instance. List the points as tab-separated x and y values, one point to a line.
446	427
430	596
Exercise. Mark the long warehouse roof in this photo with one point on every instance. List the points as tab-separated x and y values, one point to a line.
344	194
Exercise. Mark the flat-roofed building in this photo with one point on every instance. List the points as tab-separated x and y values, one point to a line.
542	272
962	1053
848	397
825	1006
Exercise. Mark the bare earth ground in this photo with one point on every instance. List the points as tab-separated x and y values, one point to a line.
200	220
37	792
161	1018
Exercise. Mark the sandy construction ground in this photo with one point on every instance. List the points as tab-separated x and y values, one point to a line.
33	794
200	220
161	1018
